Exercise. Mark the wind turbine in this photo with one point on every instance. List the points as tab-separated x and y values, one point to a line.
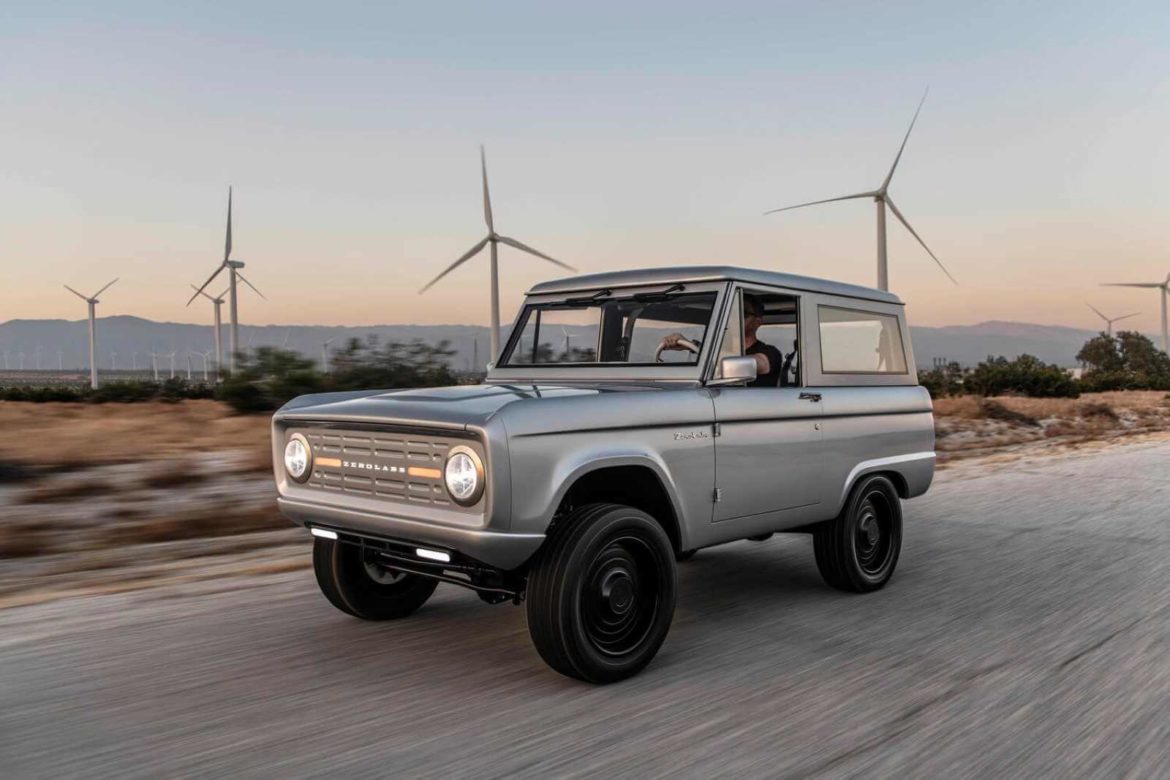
881	197
206	357
154	364
494	239
1110	320
567	339
93	302
171	355
113	361
233	267
1164	291
325	353
217	304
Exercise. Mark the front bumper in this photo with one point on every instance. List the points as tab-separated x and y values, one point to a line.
506	551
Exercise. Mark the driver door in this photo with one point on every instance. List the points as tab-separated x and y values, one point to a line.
769	447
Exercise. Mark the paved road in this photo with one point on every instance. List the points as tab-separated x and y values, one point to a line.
1025	634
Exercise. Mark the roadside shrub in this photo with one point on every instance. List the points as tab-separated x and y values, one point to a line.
1026	375
269	377
943	381
174	389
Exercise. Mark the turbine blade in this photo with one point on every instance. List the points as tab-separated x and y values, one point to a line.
227	244
470	253
79	295
827	200
200	292
1136	284
1099	314
487	198
902	219
240	276
1126	316
902	148
108	286
210	279
523	248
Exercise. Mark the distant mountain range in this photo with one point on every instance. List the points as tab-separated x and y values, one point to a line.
134	338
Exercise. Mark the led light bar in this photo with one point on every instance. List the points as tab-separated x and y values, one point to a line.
432	555
324	533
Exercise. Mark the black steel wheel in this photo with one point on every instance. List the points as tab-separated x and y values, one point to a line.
859	550
601	594
356	582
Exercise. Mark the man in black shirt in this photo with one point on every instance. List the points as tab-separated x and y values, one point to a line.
769	360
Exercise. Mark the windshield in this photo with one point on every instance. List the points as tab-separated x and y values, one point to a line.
608	329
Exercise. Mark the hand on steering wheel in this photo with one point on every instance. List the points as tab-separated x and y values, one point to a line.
674	341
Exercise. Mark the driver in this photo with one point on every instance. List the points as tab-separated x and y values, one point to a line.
769	361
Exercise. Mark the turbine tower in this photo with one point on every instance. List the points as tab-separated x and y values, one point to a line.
217	304
325	354
1163	289
233	267
882	199
494	239
93	302
1110	320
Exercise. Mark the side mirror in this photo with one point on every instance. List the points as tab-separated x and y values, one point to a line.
735	370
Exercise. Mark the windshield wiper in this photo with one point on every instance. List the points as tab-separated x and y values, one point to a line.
662	295
591	298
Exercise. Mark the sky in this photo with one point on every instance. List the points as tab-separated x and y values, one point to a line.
618	135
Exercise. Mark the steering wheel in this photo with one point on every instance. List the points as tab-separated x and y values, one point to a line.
685	343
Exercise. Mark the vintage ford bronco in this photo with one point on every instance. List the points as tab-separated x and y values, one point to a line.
631	419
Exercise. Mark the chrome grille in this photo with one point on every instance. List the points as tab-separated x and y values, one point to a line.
403	467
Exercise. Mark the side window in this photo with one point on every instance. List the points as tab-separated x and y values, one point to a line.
860	342
772	319
731	345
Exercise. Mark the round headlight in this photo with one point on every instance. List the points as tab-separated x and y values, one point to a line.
463	475
298	458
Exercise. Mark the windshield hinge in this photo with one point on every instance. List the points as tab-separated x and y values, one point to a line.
718	495
716	430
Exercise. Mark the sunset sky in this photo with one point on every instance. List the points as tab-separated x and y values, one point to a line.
619	134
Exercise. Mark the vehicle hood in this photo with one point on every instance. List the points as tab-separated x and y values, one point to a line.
448	407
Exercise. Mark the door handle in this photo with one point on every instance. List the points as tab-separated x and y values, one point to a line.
814	397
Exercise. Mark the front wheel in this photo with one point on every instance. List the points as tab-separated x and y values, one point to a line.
601	595
857	551
354	581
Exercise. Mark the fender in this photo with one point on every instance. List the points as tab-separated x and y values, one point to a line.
594	459
909	467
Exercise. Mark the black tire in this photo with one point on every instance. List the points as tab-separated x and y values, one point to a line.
348	582
858	551
685	555
602	592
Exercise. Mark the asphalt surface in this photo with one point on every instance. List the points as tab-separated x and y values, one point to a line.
1026	633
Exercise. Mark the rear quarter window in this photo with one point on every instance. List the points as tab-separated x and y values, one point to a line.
854	341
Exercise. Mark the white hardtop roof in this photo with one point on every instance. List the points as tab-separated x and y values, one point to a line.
689	274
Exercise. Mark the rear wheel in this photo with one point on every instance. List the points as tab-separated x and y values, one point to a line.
858	551
601	595
354	581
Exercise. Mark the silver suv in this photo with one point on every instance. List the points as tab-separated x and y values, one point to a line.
632	418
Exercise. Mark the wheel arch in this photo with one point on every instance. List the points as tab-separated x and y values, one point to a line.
637	481
910	474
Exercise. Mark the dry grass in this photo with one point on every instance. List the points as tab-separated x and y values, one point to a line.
59	435
968	426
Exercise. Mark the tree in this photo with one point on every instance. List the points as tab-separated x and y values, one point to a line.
1127	361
